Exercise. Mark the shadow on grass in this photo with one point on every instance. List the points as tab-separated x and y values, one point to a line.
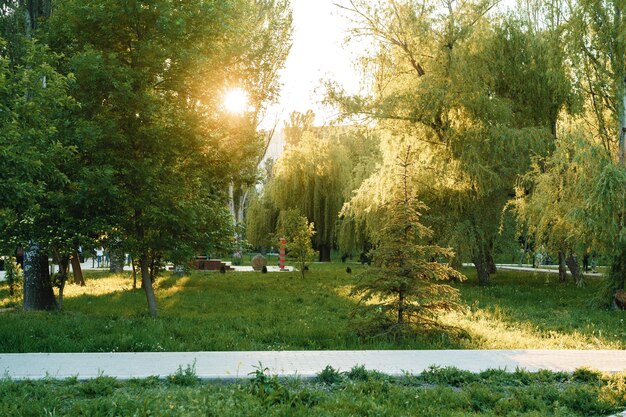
205	311
281	311
555	315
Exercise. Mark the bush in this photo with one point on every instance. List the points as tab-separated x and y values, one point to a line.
329	376
184	377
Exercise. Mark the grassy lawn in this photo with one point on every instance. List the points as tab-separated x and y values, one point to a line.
280	311
436	393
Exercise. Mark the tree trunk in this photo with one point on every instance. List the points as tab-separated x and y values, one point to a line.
134	265
324	252
64	267
562	267
400	307
482	269
79	279
38	293
491	264
572	264
117	262
147	284
457	261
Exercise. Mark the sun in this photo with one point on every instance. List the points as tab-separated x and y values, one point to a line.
236	100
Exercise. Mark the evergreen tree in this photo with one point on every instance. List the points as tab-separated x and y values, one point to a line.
403	289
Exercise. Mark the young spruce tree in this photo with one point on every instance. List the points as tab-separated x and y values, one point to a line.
403	290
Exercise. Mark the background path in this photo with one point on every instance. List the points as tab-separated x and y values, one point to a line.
234	365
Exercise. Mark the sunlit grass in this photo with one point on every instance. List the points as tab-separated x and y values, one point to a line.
280	311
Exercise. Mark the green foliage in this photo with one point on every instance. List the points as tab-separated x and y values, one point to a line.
402	289
12	275
265	395
36	155
329	376
313	178
184	377
298	233
587	375
461	89
577	202
261	218
271	392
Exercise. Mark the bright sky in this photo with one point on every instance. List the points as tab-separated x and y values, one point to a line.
317	53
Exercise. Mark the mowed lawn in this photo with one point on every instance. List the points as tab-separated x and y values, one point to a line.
279	311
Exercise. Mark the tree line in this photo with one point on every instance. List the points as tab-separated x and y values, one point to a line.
113	130
507	113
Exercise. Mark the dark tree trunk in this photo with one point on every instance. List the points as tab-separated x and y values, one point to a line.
324	252
79	279
562	267
38	293
482	269
146	283
400	307
491	264
572	264
117	262
64	267
134	265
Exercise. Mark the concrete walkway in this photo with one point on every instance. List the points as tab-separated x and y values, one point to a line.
234	365
550	269
91	265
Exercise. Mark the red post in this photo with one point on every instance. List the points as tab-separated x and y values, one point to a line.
281	254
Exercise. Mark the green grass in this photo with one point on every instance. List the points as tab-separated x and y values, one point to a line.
280	311
437	393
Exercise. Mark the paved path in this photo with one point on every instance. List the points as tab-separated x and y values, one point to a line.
92	266
547	269
233	365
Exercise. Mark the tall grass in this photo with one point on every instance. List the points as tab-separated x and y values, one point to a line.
281	311
435	393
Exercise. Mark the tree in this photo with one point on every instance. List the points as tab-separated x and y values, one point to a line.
587	167
435	84
150	133
298	232
35	102
598	47
403	286
313	177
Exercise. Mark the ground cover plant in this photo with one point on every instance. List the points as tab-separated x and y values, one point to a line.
440	392
281	311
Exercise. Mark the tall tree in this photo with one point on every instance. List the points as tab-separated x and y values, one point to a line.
598	44
36	103
150	78
311	176
435	85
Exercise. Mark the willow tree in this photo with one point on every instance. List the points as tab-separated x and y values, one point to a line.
435	85
547	210
597	44
586	173
311	177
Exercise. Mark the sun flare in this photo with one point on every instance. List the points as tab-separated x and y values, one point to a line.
236	101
